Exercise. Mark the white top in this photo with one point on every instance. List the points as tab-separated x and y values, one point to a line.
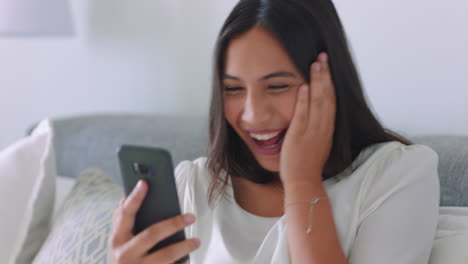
385	211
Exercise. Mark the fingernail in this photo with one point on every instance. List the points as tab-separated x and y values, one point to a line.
189	218
139	184
197	241
323	57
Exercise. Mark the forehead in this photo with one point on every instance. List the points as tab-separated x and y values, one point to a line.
256	53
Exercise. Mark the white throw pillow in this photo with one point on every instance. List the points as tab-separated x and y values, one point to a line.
63	186
83	225
27	190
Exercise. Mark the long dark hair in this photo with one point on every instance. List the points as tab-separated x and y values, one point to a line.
304	28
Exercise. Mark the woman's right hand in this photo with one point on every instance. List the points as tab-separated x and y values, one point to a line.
126	248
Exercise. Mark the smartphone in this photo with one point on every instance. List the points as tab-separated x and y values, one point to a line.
161	202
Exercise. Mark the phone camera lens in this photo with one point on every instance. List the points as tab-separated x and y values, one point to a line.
140	168
143	169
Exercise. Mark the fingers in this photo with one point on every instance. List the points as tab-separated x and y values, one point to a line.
316	82
315	96
321	79
322	95
124	216
154	234
174	252
326	75
309	108
301	110
328	92
129	248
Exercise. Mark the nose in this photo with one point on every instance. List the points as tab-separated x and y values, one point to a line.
256	111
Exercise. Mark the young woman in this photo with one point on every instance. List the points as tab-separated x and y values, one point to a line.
299	169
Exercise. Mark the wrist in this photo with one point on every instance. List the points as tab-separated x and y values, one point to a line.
304	190
311	181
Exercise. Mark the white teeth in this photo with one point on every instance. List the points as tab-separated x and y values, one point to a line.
265	136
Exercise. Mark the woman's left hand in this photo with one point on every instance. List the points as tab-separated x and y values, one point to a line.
309	138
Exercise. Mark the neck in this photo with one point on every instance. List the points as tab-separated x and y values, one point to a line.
264	200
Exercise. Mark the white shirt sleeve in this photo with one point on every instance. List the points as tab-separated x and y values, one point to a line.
182	173
399	209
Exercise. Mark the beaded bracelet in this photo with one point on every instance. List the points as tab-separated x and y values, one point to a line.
311	203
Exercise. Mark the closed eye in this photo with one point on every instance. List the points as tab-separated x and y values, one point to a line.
232	88
278	86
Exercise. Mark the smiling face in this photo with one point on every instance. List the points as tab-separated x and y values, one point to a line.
260	88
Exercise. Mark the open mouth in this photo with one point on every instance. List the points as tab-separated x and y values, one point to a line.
272	142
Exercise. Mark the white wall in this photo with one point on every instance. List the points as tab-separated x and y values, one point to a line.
155	56
413	59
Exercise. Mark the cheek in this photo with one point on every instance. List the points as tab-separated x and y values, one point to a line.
286	105
231	110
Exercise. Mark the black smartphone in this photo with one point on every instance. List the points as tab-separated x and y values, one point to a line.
161	202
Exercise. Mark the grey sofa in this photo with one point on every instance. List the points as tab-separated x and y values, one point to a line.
91	141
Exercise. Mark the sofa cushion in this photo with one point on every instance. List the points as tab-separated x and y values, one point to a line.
92	141
82	226
453	166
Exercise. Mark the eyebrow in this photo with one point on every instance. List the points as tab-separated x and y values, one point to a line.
268	76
